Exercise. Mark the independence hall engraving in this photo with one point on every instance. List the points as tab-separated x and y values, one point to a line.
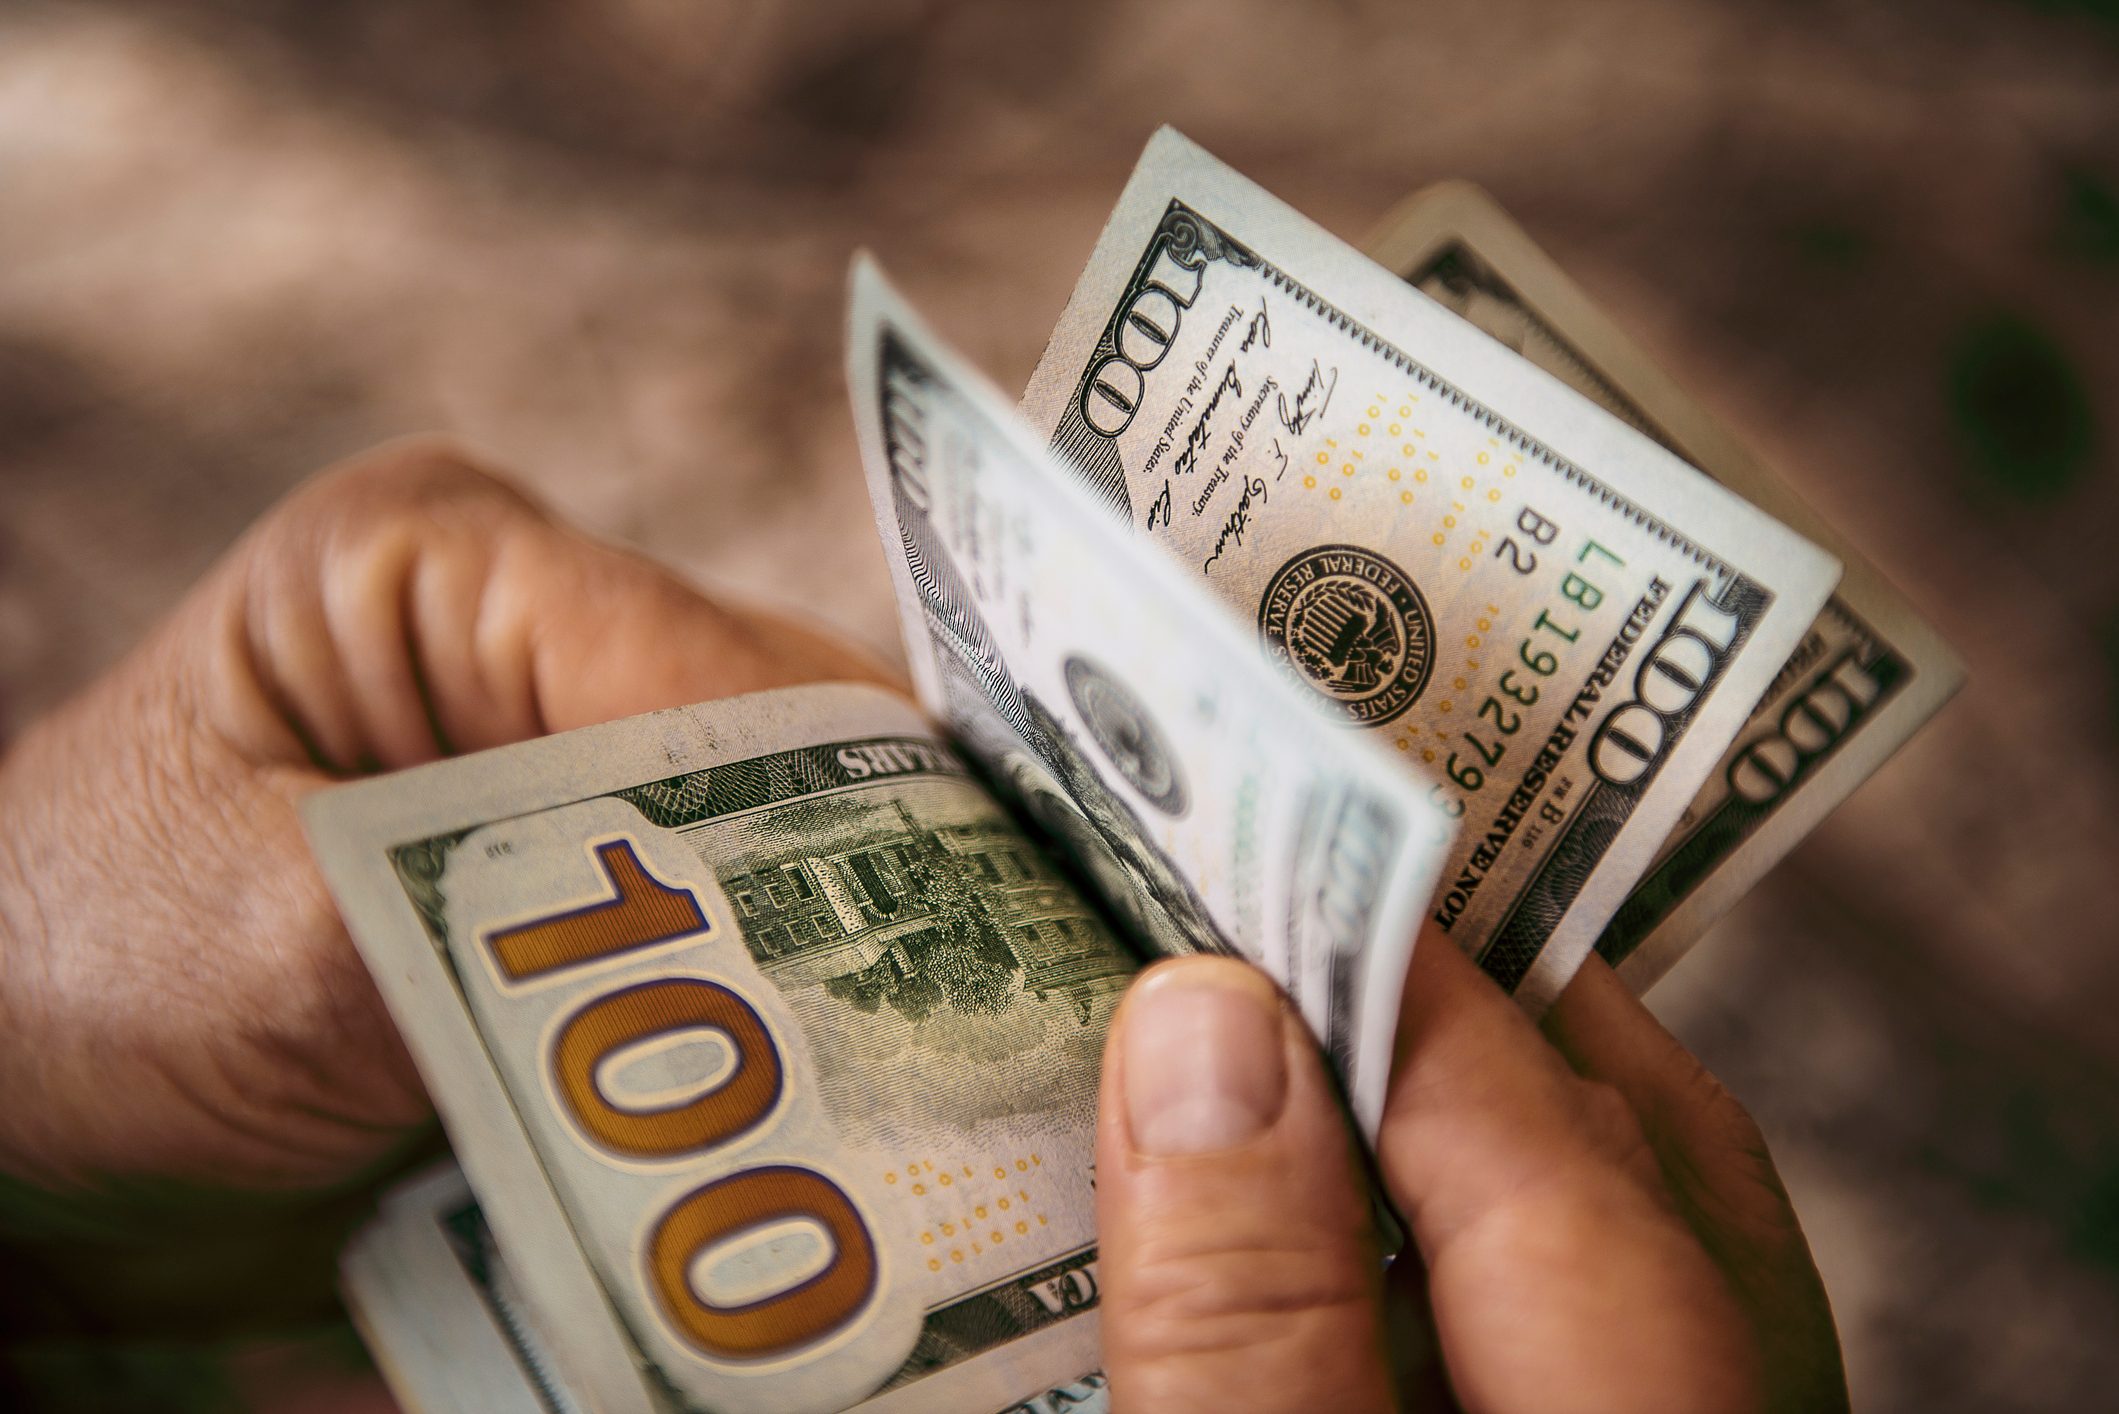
963	917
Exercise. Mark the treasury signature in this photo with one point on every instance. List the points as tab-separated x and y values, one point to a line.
1160	506
1239	519
1196	441
1303	411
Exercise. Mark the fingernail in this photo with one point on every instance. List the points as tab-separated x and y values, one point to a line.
1203	1064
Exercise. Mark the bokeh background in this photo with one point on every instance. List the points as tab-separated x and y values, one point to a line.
605	240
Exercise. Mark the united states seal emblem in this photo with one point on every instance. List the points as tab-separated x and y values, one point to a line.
1353	626
1126	734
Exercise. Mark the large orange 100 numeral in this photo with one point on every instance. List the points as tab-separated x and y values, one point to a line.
642	1013
642	912
743	1202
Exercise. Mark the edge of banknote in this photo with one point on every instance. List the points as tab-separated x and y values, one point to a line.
437	1329
878	313
1461	213
1626	462
433	1299
352	829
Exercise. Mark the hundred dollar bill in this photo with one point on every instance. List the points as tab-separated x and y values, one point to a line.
1214	807
768	1041
1861	681
1538	608
440	1311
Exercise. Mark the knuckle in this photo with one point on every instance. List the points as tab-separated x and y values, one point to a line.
1727	1118
1724	1136
1735	1184
1611	1124
411	478
364	521
1255	1320
1193	1300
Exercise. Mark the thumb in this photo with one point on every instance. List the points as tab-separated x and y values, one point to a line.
1239	1264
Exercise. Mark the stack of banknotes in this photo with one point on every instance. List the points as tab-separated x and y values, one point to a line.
1310	601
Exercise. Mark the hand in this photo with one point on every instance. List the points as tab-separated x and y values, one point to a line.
200	1077
1597	1223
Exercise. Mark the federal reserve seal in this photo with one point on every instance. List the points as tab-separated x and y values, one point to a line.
1350	624
1126	734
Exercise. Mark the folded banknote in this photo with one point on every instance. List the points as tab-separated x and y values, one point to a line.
1289	615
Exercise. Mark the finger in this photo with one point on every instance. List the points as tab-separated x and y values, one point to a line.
1239	1267
1717	1166
1561	1274
410	604
1709	1149
1478	1097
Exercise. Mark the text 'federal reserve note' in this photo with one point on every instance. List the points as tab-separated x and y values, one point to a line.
1542	611
1864	678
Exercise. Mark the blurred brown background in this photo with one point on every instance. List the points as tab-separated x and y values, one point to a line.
607	243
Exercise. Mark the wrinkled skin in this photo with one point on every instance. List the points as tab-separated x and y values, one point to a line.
204	1088
203	1079
1595	1225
